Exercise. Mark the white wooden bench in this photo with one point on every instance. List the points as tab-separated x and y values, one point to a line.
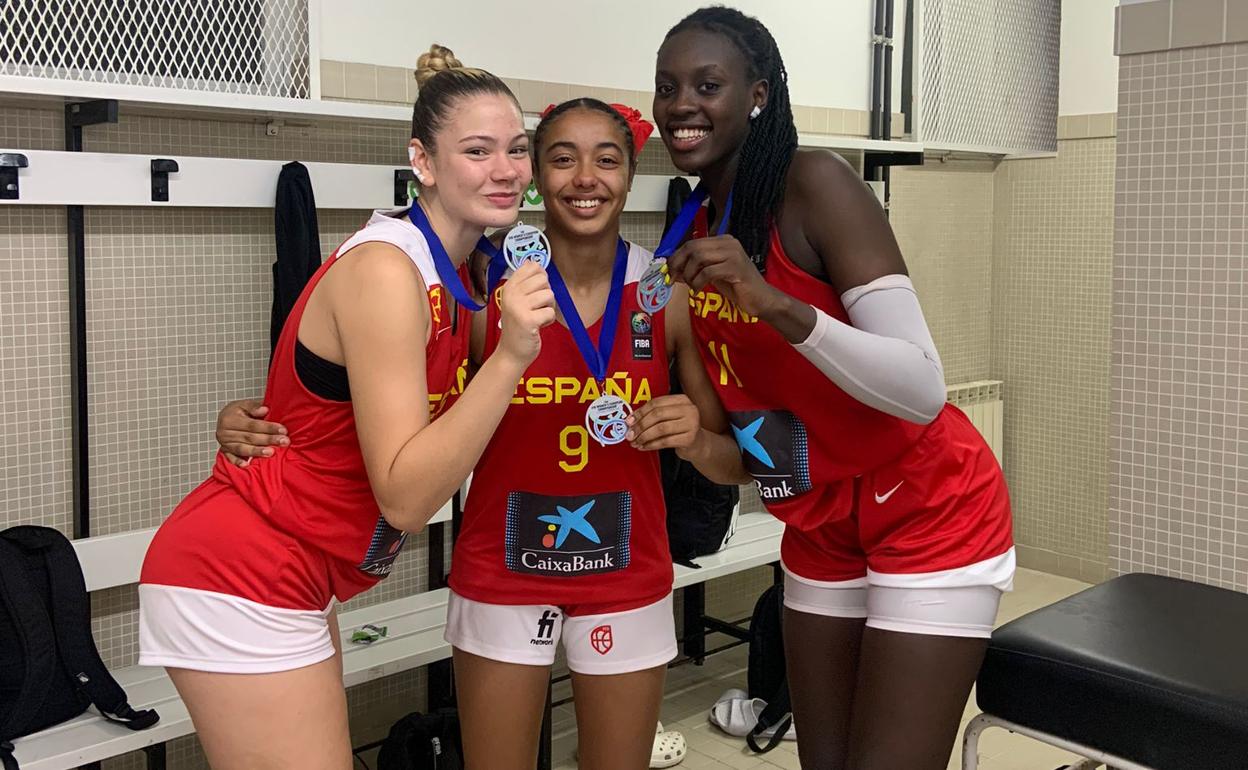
414	638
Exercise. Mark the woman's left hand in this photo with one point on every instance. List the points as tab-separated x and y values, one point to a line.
721	260
666	422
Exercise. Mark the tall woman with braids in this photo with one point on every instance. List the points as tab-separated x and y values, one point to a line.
897	543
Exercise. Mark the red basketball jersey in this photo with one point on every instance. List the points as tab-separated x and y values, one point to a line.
317	489
552	516
800	435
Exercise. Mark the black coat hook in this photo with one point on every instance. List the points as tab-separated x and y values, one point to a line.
161	168
401	178
10	162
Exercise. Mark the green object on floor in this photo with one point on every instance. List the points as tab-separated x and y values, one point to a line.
367	634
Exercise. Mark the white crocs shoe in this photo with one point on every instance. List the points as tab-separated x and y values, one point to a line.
669	748
668	751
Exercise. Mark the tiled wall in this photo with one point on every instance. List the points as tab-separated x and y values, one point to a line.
357	82
1162	25
1178	492
942	216
35	473
1050	345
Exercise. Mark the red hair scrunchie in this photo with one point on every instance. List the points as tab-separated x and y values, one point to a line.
640	128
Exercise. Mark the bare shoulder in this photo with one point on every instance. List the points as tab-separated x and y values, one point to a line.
378	286
833	210
824	179
379	262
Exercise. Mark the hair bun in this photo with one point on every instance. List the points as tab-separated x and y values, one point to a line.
437	59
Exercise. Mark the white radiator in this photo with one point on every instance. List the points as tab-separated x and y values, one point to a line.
984	403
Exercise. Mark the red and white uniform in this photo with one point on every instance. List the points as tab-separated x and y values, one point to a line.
558	527
263	551
863	494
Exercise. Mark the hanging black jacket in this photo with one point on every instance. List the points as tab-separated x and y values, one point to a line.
298	243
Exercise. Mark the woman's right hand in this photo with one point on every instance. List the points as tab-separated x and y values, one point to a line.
243	433
528	305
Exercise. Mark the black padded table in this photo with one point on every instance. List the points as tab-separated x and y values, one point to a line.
1145	668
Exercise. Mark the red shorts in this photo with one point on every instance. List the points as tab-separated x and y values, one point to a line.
937	517
214	541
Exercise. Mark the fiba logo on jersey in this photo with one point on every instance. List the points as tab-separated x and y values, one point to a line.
600	639
640	322
643	336
774	451
567	536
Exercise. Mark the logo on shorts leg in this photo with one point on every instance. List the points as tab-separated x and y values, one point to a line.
568	536
600	639
545	629
774	450
383	549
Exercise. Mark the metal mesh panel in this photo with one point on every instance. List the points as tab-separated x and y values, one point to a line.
990	74
232	46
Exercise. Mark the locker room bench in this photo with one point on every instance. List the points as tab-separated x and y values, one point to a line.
414	624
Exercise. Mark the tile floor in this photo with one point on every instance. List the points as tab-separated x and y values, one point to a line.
692	689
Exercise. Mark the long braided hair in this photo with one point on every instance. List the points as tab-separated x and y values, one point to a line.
768	149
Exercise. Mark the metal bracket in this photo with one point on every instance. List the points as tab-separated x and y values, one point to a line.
872	161
10	162
161	169
89	113
402	177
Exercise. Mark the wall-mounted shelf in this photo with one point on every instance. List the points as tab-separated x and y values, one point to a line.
859	143
186	103
55	178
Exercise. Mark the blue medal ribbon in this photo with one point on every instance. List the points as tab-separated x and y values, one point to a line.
597	358
498	265
684	220
442	260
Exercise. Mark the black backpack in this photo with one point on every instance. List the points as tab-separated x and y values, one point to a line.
50	670
699	511
423	742
766	677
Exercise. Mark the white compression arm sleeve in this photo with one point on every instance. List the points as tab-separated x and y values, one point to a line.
886	359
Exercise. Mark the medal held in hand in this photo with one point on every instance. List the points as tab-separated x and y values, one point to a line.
605	419
526	243
654	290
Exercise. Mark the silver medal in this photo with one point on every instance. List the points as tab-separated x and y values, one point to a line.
604	419
653	290
526	243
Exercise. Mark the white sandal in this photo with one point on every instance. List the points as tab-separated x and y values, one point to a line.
730	713
736	713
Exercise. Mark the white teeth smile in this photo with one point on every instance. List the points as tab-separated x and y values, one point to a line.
686	134
590	204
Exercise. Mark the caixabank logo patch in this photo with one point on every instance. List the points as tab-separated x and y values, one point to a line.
568	535
774	450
